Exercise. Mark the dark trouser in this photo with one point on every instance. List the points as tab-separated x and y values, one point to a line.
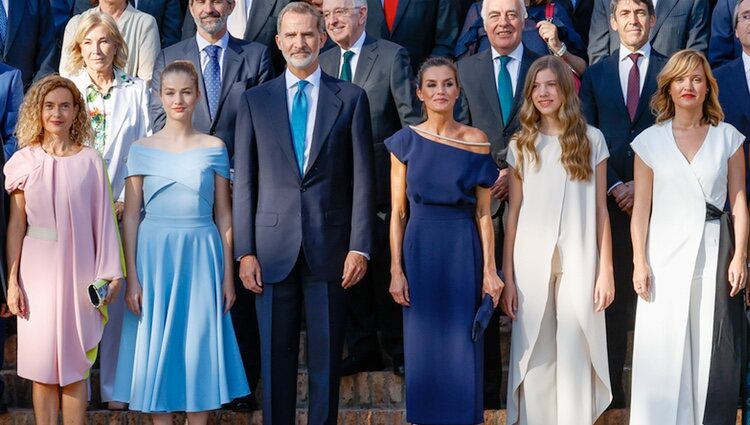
279	311
621	314
245	323
370	306
493	367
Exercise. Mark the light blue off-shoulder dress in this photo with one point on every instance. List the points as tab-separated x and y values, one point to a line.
181	353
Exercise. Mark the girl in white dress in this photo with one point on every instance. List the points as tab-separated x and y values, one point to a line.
558	257
688	331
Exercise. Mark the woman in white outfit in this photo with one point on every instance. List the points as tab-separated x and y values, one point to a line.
689	322
558	257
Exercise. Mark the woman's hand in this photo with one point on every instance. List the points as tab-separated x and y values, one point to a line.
400	289
737	275
119	209
134	295
17	301
642	280
548	32
493	285
112	290
228	294
604	291
509	298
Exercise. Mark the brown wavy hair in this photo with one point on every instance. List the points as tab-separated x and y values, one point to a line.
88	23
679	65
576	147
29	129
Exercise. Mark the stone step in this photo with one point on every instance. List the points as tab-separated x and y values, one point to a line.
345	417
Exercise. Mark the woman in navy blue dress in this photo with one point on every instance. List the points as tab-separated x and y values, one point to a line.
442	251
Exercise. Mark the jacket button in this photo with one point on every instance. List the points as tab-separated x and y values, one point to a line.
303	188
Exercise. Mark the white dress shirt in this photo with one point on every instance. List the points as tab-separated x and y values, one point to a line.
514	65
746	67
625	64
237	24
6	5
203	43
356	49
311	91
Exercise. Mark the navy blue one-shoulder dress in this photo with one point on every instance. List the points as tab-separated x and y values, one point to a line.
443	260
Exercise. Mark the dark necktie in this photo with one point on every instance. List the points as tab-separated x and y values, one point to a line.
299	124
212	79
3	28
504	89
634	86
346	68
389	10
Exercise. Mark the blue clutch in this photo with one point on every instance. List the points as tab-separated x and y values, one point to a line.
482	317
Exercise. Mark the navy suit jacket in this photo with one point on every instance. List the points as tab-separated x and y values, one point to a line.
734	98
680	24
11	96
246	64
604	108
383	70
327	212
167	13
723	45
30	43
423	27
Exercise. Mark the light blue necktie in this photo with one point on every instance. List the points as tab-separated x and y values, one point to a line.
504	89
212	79
3	28
299	124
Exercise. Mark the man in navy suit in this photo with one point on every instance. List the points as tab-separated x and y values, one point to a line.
615	95
303	202
243	64
734	86
28	43
481	108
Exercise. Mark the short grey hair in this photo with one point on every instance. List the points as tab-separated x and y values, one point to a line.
521	9
736	14
302	8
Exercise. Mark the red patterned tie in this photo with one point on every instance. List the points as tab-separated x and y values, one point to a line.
389	10
634	86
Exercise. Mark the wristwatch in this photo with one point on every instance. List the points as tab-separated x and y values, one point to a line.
562	51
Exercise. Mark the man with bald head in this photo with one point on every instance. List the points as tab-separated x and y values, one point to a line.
492	93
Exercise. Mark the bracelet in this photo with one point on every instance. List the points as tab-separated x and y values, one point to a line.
562	51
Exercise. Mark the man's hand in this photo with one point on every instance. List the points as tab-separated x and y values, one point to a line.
623	194
250	274
355	267
499	190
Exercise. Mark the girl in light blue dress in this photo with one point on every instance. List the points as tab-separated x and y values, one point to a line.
179	352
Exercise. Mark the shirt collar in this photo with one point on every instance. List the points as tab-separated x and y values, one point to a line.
645	51
357	46
746	62
516	54
291	79
203	43
82	79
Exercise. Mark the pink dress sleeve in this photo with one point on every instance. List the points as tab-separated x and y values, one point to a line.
109	254
17	170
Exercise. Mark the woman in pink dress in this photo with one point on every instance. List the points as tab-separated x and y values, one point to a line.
62	236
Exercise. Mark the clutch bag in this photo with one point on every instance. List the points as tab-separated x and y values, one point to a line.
98	292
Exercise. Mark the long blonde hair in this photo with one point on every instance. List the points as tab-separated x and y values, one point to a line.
576	147
680	64
29	129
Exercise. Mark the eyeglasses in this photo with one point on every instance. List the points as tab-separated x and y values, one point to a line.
339	12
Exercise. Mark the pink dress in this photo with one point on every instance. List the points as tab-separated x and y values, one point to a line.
71	241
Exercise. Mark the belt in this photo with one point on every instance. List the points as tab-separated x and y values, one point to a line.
713	213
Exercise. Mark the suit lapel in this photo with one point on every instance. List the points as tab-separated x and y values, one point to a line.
17	11
486	80
400	11
260	10
649	86
738	70
330	61
329	106
277	107
367	57
526	61
663	9
192	54
232	66
611	78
